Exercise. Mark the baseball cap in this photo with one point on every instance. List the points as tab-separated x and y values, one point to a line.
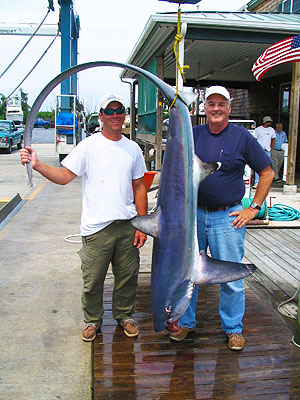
108	98
267	118
217	90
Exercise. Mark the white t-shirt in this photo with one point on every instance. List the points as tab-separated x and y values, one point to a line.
264	136
107	168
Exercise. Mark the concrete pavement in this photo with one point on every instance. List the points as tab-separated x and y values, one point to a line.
42	355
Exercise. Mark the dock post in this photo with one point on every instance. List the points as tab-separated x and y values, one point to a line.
296	338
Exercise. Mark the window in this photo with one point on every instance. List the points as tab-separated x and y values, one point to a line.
286	6
289	6
296	6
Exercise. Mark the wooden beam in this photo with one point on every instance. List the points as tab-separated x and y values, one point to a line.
293	124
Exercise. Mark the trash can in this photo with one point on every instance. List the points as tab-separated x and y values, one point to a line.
148	177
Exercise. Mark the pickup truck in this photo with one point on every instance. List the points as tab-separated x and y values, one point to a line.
10	135
41	123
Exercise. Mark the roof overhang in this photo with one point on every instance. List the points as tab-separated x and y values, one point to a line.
219	46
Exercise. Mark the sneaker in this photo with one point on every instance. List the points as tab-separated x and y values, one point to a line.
254	186
181	334
236	341
90	332
129	327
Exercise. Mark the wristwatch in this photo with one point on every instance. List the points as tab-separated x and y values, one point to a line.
255	206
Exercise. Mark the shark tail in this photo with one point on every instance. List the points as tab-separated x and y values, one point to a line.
216	271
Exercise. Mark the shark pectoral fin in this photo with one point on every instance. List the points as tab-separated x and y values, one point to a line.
203	169
214	271
149	224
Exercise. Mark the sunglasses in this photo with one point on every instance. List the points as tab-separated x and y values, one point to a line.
111	111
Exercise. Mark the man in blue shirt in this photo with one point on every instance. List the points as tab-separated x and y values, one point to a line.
221	220
277	153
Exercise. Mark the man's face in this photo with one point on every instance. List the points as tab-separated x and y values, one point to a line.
217	110
113	122
279	128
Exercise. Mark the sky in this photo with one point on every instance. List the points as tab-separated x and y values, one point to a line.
109	31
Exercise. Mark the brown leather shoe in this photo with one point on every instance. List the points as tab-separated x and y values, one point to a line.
181	334
129	327
90	332
236	341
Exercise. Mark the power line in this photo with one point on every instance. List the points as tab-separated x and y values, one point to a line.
34	65
31	37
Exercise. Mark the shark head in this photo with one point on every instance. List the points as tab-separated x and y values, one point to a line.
174	306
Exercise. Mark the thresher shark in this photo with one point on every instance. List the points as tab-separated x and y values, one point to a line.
177	264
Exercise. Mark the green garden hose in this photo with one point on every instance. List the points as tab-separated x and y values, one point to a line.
281	212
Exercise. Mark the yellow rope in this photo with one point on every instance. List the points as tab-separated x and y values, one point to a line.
179	68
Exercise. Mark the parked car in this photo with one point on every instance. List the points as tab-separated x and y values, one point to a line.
249	124
92	124
41	123
10	135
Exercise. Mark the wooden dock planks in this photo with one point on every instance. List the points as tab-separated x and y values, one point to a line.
200	367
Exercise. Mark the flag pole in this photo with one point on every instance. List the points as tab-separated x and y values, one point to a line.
293	124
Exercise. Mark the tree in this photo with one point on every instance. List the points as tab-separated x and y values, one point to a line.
2	106
24	104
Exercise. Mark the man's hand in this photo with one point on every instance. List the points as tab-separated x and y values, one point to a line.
27	155
139	239
243	216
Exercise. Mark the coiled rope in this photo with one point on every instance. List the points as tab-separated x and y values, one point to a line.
278	212
281	212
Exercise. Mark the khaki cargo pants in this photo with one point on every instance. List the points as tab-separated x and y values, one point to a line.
112	244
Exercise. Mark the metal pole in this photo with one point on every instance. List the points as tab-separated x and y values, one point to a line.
296	338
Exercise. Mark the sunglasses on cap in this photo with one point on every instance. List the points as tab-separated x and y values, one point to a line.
111	111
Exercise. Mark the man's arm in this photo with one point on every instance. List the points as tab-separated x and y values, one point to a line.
272	143
141	204
266	177
61	176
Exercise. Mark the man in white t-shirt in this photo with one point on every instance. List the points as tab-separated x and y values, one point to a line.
112	168
265	136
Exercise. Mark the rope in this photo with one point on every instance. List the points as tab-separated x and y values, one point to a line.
34	65
179	69
287	301
69	240
281	212
31	37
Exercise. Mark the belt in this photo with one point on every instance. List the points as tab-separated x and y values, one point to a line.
119	221
277	150
205	208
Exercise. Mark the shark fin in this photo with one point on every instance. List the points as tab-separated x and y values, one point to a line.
213	271
188	97
203	169
148	224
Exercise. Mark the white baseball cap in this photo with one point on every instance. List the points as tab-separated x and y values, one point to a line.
217	90
108	98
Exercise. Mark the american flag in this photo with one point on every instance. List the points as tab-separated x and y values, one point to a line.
286	50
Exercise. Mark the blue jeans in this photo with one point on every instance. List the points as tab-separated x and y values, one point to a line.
226	243
256	174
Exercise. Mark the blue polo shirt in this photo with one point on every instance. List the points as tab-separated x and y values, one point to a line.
279	140
234	147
